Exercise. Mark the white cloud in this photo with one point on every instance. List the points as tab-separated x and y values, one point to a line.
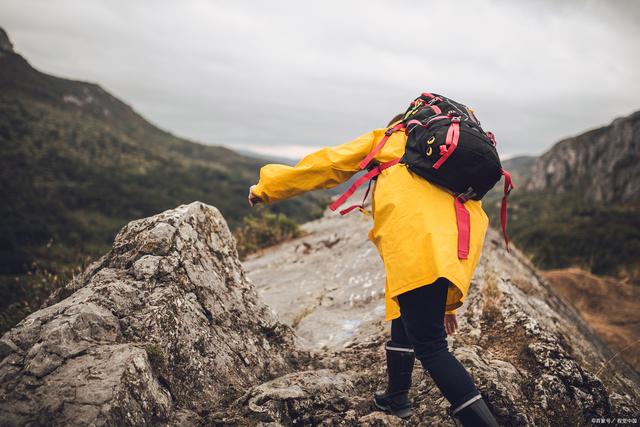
294	74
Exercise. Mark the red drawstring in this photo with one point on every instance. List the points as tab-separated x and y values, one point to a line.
508	186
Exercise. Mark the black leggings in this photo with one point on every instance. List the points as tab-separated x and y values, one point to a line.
421	326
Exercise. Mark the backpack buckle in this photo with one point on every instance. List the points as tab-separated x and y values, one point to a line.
373	165
463	197
455	119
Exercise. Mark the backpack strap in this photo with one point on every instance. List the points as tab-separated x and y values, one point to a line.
446	150
364	178
360	207
463	222
365	162
508	186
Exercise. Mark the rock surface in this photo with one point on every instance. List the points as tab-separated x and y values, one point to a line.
166	330
532	356
165	323
602	165
327	285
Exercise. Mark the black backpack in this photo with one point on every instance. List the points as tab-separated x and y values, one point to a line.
447	146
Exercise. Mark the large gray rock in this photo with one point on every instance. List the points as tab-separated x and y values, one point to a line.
164	326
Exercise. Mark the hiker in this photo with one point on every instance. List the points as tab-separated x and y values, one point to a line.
428	259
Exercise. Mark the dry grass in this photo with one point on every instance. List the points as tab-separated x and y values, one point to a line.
608	305
491	297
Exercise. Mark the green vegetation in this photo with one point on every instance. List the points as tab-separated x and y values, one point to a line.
22	294
264	230
77	164
559	232
156	358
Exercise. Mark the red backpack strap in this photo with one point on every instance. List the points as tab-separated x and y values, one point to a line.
508	186
446	150
463	222
364	163
364	178
361	205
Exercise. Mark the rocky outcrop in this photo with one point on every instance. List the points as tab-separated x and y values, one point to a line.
166	329
164	326
602	165
5	43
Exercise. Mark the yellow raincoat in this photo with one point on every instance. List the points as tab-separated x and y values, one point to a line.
414	221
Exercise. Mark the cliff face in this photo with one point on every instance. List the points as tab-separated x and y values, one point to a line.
166	329
602	165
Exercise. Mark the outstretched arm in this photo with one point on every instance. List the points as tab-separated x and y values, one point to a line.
325	168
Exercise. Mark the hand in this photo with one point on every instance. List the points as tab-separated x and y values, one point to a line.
253	199
450	323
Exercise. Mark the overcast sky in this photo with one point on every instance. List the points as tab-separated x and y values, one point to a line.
286	77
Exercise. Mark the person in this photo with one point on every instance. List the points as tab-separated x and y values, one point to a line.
415	232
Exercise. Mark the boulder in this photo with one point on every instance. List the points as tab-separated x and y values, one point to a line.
166	323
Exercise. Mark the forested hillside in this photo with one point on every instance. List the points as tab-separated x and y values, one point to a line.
76	164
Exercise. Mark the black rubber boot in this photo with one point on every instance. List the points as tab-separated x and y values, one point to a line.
395	399
473	413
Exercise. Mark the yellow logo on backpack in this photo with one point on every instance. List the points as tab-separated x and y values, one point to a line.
429	142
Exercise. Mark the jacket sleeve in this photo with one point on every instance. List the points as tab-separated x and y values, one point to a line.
325	168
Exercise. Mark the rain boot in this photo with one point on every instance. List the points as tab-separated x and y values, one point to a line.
395	399
473	413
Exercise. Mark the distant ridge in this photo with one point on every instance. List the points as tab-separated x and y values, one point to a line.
601	165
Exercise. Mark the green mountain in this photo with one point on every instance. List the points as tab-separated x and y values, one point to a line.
578	204
76	164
